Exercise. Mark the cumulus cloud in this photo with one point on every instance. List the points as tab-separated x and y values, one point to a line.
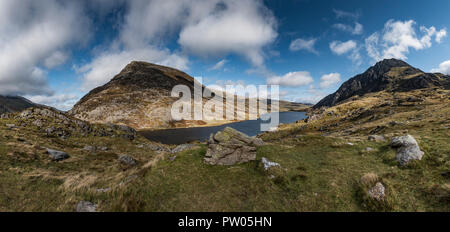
204	27
350	47
219	65
340	48
444	68
356	30
398	37
302	44
241	27
329	80
33	36
292	79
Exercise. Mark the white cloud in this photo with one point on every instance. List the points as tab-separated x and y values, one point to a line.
204	28
444	68
340	48
440	35
292	79
219	65
343	14
302	44
329	80
241	27
398	37
60	101
350	47
356	30
33	35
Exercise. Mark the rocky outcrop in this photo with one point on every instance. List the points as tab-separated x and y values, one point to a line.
390	75
57	155
54	123
229	147
407	149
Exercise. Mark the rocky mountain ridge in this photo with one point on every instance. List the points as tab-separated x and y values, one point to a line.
140	97
390	75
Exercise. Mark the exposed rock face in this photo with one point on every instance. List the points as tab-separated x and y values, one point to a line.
407	149
57	155
390	75
229	147
14	104
86	207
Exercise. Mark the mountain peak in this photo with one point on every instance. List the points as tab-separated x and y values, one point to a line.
388	74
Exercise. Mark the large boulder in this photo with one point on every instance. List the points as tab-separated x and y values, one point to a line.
229	147
407	149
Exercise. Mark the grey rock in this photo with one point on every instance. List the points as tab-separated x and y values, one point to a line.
377	192
103	190
57	155
229	147
90	148
268	164
182	147
127	160
407	149
369	149
376	138
10	126
86	207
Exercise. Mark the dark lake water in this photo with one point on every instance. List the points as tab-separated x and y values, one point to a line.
184	135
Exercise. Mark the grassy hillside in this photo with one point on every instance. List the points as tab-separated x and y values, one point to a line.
322	165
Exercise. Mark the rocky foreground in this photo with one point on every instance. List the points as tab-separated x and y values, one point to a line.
379	151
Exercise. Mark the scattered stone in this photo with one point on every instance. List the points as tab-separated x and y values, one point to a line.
86	207
182	147
127	160
376	138
102	148
268	164
89	148
10	126
369	149
57	155
313	118
229	147
103	190
377	192
350	144
407	149
172	158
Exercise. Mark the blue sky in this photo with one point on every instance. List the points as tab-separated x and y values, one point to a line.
55	51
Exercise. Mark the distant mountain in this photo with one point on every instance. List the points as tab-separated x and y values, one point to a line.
388	75
9	104
139	96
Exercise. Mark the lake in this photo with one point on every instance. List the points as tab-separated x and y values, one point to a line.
184	135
